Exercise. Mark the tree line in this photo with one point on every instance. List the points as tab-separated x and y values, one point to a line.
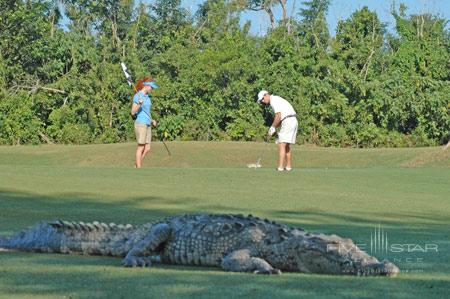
364	86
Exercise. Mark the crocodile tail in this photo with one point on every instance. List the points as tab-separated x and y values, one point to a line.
78	237
39	238
94	238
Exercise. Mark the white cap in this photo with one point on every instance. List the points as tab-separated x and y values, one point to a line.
261	94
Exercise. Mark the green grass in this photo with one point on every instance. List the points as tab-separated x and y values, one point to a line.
349	192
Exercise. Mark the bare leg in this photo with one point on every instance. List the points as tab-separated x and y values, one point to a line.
281	155
146	150
288	156
139	154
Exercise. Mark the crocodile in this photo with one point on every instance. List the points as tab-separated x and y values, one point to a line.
232	242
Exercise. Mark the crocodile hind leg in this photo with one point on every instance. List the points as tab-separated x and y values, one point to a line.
242	261
142	251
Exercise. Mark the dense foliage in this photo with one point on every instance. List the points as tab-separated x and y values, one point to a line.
61	81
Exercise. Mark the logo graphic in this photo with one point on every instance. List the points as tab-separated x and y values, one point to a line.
379	241
410	255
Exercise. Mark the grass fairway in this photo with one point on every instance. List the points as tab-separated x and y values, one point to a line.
350	192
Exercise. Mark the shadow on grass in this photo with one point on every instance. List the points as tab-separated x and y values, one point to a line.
98	277
21	210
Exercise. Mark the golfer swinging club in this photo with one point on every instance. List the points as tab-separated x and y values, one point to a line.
140	109
286	117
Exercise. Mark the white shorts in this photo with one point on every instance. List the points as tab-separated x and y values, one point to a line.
288	131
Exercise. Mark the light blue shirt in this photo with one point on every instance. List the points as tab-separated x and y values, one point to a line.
143	114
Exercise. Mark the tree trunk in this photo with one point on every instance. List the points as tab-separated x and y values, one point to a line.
115	36
271	16
45	138
284	12
52	29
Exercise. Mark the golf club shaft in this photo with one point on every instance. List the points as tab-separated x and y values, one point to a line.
167	149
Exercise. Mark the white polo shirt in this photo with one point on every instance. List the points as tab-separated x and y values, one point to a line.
279	104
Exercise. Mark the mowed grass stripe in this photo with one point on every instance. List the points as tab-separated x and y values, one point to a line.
220	155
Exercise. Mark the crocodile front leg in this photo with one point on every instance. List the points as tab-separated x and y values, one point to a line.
140	254
242	261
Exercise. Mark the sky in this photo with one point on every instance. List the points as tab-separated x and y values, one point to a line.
341	10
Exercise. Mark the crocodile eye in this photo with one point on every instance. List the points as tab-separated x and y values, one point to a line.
238	226
226	228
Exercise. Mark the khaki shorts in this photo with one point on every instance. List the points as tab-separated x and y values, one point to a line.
143	133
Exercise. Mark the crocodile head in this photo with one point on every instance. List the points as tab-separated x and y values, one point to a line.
318	253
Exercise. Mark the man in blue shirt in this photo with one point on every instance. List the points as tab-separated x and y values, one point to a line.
141	109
